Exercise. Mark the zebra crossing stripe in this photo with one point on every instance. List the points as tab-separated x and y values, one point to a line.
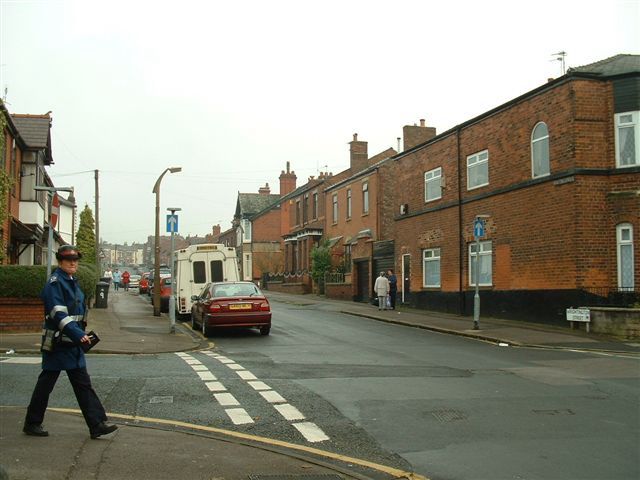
226	399
289	412
239	416
311	432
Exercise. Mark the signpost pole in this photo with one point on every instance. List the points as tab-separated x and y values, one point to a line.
172	226
478	231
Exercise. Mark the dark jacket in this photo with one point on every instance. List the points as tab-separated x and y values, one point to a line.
63	307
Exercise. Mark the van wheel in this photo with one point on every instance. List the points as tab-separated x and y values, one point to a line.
265	330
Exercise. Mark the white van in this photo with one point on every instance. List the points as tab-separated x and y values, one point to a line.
196	265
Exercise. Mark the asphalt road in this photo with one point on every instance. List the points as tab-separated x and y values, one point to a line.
443	406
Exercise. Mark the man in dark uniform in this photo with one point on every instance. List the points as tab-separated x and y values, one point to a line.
393	287
63	336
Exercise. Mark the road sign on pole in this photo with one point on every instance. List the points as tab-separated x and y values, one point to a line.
478	228
172	223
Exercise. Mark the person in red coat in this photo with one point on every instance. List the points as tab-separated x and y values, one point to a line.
125	280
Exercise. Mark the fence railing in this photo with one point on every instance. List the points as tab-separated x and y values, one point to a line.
611	296
334	277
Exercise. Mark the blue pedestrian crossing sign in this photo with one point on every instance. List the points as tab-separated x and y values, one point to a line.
478	228
172	223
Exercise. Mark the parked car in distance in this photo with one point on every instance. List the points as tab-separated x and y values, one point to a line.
230	304
165	293
134	280
143	285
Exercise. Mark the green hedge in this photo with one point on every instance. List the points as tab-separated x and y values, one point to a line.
26	281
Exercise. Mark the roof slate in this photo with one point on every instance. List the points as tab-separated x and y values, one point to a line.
609	67
34	129
251	203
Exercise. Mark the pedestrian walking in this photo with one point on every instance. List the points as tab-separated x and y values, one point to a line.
125	280
117	278
393	288
62	341
108	274
381	288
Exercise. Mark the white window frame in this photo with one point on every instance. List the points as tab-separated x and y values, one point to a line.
365	198
246	230
620	123
486	250
474	162
620	243
348	203
431	256
433	178
537	142
334	203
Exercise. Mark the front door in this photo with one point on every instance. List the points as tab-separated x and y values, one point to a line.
362	272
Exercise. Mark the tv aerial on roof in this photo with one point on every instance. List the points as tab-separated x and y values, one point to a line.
560	57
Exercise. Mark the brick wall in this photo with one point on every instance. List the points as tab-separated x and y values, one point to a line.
339	291
21	314
554	233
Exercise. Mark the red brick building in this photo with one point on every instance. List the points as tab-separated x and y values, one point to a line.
557	173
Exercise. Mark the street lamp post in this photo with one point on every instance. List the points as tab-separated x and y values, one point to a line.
50	191
172	300
156	273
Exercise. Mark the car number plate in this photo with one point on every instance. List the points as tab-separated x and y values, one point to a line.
240	306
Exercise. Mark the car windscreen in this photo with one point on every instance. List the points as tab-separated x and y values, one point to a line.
236	290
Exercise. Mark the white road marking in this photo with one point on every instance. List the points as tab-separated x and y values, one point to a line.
235	366
289	412
259	386
183	355
226	399
239	416
206	376
225	360
272	397
215	386
22	360
199	368
193	361
246	375
311	432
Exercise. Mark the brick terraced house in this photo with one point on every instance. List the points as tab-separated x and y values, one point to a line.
557	173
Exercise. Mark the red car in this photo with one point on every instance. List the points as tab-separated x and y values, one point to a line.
165	293
230	304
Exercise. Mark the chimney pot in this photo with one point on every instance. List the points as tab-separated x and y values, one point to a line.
355	137
422	122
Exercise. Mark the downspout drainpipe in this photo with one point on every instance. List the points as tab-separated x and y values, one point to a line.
461	294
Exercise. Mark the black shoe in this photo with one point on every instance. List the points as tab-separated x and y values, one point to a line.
102	428
35	430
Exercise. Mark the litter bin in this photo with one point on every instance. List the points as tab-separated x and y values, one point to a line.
102	294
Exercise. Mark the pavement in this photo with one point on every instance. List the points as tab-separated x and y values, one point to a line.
128	326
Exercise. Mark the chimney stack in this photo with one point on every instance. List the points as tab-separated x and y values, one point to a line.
415	135
215	231
359	154
264	190
287	181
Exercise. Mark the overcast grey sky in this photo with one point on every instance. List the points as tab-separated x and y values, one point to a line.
231	91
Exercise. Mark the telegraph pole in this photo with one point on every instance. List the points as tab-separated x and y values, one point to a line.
95	176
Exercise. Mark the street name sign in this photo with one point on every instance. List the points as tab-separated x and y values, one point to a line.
578	315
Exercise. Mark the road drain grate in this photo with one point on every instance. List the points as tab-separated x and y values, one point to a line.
162	399
329	476
448	415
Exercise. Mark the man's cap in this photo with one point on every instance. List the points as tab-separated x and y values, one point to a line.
68	252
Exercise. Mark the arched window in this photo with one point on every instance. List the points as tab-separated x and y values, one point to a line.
540	150
624	240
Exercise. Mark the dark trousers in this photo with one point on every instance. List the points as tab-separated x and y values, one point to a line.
88	400
392	297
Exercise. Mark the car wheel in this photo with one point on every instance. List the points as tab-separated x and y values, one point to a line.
265	330
205	330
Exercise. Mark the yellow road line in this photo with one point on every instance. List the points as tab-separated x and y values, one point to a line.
268	441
